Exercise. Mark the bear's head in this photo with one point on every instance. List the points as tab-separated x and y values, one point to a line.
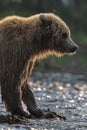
55	35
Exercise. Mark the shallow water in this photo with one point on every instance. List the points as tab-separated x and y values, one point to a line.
66	94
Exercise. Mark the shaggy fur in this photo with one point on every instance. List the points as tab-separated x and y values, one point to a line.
22	42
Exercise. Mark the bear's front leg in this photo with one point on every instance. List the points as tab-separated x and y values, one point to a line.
29	100
12	98
15	106
32	107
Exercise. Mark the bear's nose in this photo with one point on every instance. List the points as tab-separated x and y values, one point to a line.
74	48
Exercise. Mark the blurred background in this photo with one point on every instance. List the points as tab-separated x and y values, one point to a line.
73	12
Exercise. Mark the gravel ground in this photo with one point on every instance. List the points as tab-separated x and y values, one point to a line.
63	93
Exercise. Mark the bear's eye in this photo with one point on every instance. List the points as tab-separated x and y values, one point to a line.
64	35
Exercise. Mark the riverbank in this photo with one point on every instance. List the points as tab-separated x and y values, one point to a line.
63	93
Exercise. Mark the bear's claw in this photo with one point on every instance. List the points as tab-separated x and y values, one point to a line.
37	112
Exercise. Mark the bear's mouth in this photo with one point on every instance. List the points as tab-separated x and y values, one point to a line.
63	51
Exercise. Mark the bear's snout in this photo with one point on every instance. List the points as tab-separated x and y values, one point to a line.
71	47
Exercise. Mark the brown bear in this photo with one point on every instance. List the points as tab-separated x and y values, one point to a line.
22	42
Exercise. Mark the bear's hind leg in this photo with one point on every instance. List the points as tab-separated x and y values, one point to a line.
29	100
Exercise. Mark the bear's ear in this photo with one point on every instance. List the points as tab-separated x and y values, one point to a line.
44	20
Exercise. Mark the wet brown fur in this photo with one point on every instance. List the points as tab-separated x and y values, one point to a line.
22	42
